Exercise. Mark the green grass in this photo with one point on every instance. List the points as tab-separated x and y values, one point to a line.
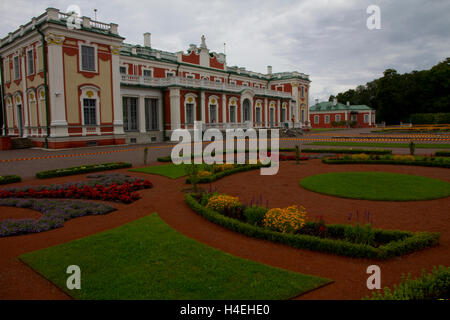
147	259
377	186
167	170
381	144
326	129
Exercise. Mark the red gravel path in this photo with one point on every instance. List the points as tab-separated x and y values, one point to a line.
18	281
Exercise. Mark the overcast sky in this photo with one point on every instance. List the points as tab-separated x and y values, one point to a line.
329	40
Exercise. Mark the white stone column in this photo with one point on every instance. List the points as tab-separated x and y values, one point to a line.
24	98
266	110
58	124
202	106
141	113
370	118
224	108
117	99
175	108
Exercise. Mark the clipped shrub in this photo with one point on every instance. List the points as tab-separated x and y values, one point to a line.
361	156
204	173
360	234
255	214
9	179
442	153
432	286
223	203
404	158
82	169
287	220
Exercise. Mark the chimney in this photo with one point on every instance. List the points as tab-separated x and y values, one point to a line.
317	101
348	103
269	69
147	39
334	101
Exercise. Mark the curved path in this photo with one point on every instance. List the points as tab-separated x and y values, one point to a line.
18	281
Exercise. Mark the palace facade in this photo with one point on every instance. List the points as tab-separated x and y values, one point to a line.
66	86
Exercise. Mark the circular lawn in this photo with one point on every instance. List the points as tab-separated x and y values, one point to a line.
377	186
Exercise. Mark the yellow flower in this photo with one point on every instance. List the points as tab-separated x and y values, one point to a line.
285	220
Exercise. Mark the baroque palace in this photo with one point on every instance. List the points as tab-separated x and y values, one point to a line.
68	87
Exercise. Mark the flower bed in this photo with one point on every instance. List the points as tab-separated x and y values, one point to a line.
108	187
81	169
9	179
348	151
54	214
347	240
426	161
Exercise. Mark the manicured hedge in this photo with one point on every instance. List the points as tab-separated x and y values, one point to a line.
442	153
9	179
385	161
432	286
400	242
348	151
82	169
221	174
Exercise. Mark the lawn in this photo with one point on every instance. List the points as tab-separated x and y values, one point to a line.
380	144
326	129
147	259
167	170
377	186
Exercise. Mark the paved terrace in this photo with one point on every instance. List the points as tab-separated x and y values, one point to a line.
27	162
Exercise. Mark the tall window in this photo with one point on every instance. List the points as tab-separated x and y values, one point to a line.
302	91
283	114
87	58
123	70
189	113
212	113
316	119
246	110
303	115
232	114
16	66
90	111
327	119
130	120
30	62
258	115
337	118
366	118
151	114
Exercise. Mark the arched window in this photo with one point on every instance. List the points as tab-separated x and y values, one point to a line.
246	110
90	110
190	110
213	109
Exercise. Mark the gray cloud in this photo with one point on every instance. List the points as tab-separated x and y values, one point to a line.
326	39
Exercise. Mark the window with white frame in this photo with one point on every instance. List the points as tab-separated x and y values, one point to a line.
337	118
302	91
233	82
169	74
16	66
151	114
189	76
327	118
218	80
90	111
283	114
130	113
258	115
88	60
30	62
316	119
123	70
366	118
213	113
147	73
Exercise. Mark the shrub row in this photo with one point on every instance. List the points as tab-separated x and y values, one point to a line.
348	151
82	169
442	153
221	174
406	243
169	158
385	161
9	179
435	285
430	118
